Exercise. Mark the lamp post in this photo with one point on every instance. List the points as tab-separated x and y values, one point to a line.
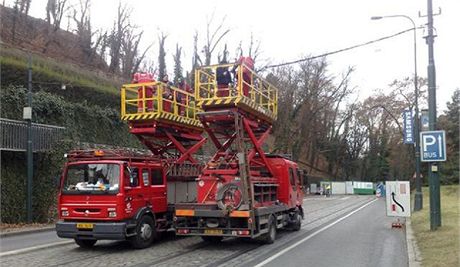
30	153
418	199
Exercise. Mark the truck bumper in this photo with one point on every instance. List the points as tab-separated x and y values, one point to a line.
110	231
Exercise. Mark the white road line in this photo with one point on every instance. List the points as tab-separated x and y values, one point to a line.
312	235
24	250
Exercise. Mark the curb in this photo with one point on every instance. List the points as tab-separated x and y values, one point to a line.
413	253
28	231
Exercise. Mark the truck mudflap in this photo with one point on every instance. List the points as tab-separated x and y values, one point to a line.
93	230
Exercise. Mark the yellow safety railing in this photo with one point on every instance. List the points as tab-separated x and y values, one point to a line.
243	87
157	100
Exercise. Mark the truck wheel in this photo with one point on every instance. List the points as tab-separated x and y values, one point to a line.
212	239
297	222
270	236
85	243
145	233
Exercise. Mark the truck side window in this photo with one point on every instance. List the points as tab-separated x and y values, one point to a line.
134	177
291	178
145	177
157	177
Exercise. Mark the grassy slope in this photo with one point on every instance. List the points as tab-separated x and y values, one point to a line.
49	70
440	247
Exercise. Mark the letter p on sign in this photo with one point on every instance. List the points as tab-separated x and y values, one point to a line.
428	140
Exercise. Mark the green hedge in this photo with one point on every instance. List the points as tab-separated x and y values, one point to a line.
84	122
47	168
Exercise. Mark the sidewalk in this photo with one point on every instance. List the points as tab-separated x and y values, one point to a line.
13	230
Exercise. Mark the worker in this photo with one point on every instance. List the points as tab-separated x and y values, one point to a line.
223	79
144	77
167	93
247	65
328	190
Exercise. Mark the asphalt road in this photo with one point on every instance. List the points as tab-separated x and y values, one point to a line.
363	239
337	231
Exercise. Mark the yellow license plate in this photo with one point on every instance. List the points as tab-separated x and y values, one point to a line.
85	225
213	232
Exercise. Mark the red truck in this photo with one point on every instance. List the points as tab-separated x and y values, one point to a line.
242	191
122	195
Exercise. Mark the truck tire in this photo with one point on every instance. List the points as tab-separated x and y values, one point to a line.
212	239
297	222
85	243
145	233
270	236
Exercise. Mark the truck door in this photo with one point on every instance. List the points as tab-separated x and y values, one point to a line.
133	192
300	186
293	187
158	189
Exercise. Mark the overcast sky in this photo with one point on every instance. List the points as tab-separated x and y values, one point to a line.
289	30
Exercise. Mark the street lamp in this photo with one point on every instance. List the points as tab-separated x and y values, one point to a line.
418	205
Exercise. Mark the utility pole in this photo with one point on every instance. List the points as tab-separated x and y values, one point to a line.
30	155
433	176
418	198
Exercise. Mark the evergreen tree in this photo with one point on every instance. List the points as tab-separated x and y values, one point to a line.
449	122
162	56
177	65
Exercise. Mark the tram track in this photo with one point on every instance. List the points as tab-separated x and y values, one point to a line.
207	254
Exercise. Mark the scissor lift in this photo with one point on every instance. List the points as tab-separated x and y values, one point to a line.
164	119
238	118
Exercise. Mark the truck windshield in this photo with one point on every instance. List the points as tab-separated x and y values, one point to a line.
92	179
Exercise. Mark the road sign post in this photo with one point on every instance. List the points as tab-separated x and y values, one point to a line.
433	150
433	146
398	200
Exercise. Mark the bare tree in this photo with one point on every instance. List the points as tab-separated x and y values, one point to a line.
119	29
213	37
22	6
131	58
55	10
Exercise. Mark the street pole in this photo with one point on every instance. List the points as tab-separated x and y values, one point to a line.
435	198
30	159
418	198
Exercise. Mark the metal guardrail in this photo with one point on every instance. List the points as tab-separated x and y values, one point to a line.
243	87
158	101
14	135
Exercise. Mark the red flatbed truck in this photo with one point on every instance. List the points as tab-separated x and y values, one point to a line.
242	191
121	195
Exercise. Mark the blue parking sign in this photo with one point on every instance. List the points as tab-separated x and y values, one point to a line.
433	146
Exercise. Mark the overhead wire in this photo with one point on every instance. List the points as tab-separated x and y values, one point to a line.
339	50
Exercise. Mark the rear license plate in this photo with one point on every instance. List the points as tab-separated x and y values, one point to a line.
85	225
213	231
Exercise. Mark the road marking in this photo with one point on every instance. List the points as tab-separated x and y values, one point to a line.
313	234
24	250
343	198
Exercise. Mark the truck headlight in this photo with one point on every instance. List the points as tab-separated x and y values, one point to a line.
64	213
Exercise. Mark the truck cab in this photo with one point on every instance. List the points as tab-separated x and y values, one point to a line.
112	197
